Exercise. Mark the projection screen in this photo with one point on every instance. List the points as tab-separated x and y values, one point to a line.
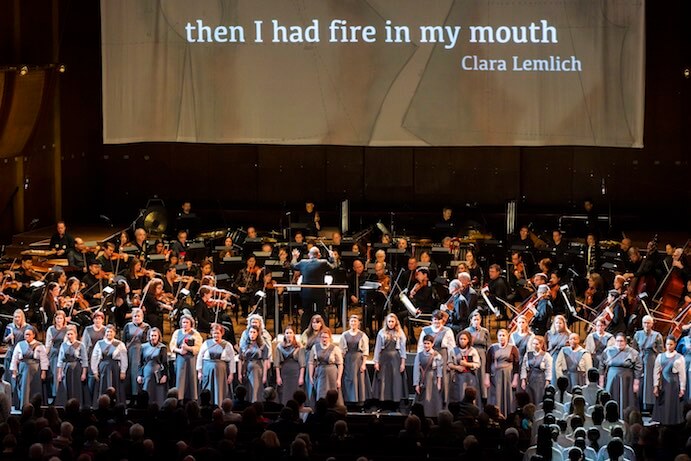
375	72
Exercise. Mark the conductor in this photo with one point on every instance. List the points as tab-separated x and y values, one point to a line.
313	270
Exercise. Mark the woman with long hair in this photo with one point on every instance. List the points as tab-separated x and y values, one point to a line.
254	364
522	338
309	338
557	338
289	362
355	346
152	374
390	380
185	344
71	371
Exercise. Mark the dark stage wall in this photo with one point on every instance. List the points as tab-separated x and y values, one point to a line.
116	180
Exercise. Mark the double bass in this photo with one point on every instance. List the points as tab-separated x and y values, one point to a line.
669	297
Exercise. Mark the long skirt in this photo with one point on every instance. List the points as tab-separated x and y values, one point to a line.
215	379
186	377
157	391
71	385
253	380
500	392
480	372
28	381
620	386
668	409
326	379
309	387
459	383
646	393
109	376
356	385
389	383
535	385
290	376
51	378
134	360
430	397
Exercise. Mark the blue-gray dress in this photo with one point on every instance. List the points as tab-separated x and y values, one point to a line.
481	342
29	371
186	364
502	365
537	368
356	384
426	371
669	409
90	338
154	365
54	339
460	380
326	361
289	360
73	359
109	370
555	343
216	362
684	348
620	368
18	336
254	357
389	383
648	346
134	336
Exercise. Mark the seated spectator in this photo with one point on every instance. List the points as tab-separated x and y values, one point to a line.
229	416
240	402
270	404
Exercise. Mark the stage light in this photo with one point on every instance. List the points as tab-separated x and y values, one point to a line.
62	68
23	70
687	72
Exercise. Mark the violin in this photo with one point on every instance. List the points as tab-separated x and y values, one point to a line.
418	286
385	282
589	293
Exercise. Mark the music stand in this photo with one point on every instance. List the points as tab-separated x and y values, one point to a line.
293	287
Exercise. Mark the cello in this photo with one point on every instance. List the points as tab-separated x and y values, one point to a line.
669	295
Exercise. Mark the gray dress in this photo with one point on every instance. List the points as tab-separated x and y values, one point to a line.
536	367
326	362
90	338
439	347
54	339
621	367
254	357
18	336
72	359
309	386
289	359
356	385
648	346
109	372
186	364
555	343
572	359
29	371
426	370
460	380
134	336
389	383
216	361
502	365
481	343
599	344
521	342
668	409
153	366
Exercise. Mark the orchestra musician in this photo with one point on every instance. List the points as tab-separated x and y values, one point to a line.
617	313
108	256
61	242
422	293
94	283
140	243
595	293
592	255
313	270
179	246
379	298
355	279
153	303
80	256
523	239
518	278
558	247
247	282
407	280
477	275
51	304
543	310
310	216
498	288
467	290
457	308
